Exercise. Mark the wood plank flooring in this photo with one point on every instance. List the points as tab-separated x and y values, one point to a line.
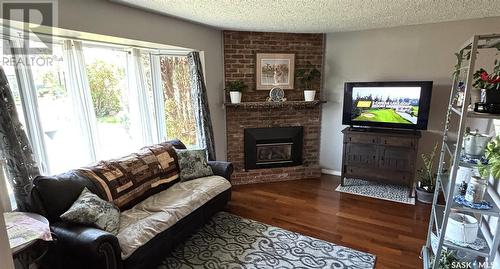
394	232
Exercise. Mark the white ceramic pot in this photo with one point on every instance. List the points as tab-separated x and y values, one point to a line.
475	144
309	95
462	228
235	97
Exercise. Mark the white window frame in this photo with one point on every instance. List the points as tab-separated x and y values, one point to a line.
159	100
32	115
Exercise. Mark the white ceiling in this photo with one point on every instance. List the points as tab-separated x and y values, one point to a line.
318	15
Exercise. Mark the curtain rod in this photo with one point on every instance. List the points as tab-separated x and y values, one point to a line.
50	38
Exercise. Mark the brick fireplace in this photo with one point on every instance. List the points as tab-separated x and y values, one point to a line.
255	113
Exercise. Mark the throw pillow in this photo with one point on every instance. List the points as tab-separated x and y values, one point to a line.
193	164
90	209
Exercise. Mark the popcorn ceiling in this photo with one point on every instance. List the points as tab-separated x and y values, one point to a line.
318	15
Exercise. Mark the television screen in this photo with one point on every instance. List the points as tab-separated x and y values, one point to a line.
387	104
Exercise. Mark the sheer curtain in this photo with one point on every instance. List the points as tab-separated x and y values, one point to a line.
79	91
30	104
200	105
139	106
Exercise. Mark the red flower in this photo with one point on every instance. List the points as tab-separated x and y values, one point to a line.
484	76
492	80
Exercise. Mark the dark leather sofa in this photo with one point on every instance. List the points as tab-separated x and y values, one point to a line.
79	246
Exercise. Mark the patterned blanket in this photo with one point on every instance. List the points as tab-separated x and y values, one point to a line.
128	180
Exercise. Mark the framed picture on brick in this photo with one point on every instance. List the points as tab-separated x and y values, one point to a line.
275	70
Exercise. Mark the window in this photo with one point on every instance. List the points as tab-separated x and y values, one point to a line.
106	70
57	116
67	114
179	114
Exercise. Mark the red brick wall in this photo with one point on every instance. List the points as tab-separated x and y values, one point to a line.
239	63
240	49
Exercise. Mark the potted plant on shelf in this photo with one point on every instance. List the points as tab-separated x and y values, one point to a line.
308	78
492	154
448	259
488	168
235	89
488	84
426	183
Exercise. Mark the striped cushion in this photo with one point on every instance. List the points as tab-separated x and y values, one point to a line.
128	180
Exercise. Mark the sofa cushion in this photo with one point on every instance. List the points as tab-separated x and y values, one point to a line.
193	164
53	195
161	211
130	179
91	210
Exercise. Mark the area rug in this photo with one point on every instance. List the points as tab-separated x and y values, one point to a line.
395	193
229	241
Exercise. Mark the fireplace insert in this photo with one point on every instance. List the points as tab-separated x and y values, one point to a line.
273	147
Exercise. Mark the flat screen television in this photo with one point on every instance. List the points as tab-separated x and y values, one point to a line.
391	104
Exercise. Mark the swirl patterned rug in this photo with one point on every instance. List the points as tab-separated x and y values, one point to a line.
229	241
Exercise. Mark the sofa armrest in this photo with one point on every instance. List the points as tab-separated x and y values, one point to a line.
86	247
223	169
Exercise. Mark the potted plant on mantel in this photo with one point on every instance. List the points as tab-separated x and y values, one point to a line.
308	78
426	183
235	89
488	84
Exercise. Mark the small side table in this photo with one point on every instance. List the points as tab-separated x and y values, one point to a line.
26	231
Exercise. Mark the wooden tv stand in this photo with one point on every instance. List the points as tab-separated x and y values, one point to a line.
382	155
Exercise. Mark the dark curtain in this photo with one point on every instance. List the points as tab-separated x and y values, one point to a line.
15	147
200	104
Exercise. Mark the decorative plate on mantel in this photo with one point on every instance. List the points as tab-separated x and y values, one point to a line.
276	94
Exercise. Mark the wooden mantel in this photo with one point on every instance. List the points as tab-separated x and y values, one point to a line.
285	104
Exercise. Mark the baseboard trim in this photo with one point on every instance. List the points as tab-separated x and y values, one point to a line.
330	172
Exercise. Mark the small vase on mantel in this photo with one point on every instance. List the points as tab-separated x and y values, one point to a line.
309	95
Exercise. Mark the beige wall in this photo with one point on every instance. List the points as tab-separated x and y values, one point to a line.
108	18
423	52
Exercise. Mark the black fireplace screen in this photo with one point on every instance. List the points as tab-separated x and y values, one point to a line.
274	153
273	147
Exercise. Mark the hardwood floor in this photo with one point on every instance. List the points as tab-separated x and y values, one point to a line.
394	232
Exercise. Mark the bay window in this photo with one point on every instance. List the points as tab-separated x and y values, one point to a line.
99	101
